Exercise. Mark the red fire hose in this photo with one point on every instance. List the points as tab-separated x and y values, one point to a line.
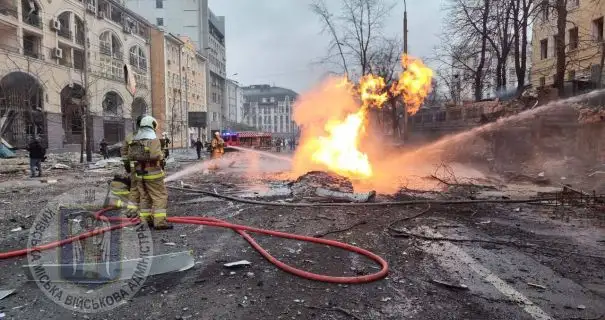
243	231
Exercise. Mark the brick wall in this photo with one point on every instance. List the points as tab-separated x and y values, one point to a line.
158	86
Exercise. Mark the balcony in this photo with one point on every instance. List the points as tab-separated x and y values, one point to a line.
32	20
8	10
65	33
9	48
80	38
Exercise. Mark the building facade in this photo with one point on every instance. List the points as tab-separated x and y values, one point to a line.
268	108
463	79
583	42
49	78
235	102
179	83
195	20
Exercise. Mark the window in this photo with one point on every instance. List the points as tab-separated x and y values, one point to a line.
545	10
571	75
160	22
138	59
159	4
542	81
574	4
597	29
573	38
543	49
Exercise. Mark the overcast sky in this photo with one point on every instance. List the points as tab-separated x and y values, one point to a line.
278	41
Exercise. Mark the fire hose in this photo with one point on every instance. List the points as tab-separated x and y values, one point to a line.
243	231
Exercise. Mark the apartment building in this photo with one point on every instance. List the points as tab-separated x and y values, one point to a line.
60	58
179	85
269	109
583	44
195	20
235	103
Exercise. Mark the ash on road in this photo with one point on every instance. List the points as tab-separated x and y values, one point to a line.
501	261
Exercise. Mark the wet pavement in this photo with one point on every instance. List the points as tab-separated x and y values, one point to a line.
500	261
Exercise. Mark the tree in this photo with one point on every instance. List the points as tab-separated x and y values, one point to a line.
522	14
385	63
355	32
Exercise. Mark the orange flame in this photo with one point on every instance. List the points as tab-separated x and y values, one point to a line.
415	83
334	121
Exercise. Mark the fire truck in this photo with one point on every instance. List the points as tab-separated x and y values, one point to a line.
245	139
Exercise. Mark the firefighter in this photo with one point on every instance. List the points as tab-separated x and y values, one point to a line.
165	143
131	199
146	150
217	145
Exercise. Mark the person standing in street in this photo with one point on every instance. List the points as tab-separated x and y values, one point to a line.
198	148
146	150
165	142
36	156
133	193
104	150
217	146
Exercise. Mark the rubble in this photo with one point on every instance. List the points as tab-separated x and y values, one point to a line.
61	166
321	185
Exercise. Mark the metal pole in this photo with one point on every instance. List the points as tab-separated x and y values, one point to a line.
180	94
85	103
405	52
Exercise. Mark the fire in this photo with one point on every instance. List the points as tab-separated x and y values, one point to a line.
371	91
334	119
415	83
339	149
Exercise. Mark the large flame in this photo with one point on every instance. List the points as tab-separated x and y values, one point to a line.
414	84
334	119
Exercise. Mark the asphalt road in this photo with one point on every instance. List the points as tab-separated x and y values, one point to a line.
503	262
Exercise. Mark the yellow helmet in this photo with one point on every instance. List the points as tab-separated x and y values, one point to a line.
149	121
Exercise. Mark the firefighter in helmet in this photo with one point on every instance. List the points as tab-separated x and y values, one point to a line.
217	145
124	191
146	150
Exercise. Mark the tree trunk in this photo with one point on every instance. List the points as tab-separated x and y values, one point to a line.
478	83
601	62
395	117
561	9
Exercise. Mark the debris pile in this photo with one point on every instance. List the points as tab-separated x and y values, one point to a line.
322	186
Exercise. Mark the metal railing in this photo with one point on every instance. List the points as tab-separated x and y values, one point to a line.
32	19
9	48
8	10
80	38
65	33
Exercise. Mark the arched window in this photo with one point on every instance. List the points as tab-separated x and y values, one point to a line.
110	45
137	58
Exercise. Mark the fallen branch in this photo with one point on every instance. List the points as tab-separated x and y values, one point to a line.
423	212
339	309
321	235
450	285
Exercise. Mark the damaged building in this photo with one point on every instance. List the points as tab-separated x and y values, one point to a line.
46	83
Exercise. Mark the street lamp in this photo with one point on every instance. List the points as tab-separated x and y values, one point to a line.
405	52
405	27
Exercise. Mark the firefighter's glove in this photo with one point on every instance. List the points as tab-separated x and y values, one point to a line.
131	212
127	166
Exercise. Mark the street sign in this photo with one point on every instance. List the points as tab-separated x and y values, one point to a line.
197	119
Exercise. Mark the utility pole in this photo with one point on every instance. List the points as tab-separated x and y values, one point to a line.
180	94
405	52
86	143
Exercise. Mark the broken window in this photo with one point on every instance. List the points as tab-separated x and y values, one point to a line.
597	29
543	49
573	38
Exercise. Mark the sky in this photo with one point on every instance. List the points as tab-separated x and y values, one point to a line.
279	42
